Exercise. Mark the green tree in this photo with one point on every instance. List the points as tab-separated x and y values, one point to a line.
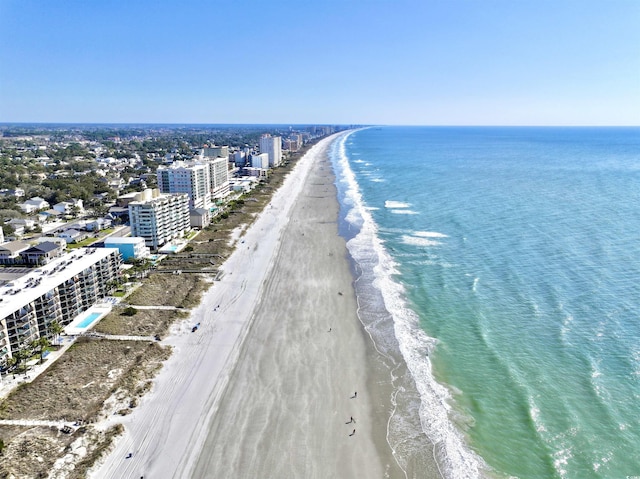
8	230
55	329
17	358
41	344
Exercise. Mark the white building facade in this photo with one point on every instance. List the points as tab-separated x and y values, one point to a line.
260	161
191	178
219	177
159	218
56	292
272	145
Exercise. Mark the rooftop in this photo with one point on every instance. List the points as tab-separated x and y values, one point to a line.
15	294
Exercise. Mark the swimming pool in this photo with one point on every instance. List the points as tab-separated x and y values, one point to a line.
172	248
88	320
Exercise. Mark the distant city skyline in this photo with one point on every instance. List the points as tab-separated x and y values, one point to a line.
403	62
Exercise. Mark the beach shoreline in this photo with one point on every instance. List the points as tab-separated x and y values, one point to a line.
269	379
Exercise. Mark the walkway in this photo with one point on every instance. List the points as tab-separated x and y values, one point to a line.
31	423
117	337
164	308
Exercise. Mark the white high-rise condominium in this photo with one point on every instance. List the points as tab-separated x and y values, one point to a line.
272	145
191	178
56	292
218	177
158	218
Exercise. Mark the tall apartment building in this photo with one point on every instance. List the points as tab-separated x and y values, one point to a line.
58	291
272	145
219	177
260	161
159	218
194	179
215	151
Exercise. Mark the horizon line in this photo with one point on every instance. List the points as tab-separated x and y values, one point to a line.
359	125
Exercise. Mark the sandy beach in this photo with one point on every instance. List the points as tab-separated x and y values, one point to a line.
265	387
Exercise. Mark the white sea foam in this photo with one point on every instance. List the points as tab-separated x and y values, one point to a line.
561	460
378	180
396	204
602	461
455	459
429	234
534	413
415	241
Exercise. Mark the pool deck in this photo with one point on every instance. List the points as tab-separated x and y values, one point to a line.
74	328
173	247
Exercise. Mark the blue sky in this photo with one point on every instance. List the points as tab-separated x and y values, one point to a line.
410	62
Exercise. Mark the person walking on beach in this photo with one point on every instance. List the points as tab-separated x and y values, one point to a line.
354	431
355	395
351	421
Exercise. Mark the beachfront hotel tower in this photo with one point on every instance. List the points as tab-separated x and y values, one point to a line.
217	159
191	178
219	176
272	145
159	218
56	292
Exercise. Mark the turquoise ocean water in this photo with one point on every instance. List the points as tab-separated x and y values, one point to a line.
503	264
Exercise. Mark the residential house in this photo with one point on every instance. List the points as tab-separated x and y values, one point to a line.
49	215
98	224
199	217
69	207
17	193
26	223
41	253
72	235
10	252
34	204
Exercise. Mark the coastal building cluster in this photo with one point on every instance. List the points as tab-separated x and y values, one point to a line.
53	293
44	285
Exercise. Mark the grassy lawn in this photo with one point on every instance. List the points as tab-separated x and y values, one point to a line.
83	243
